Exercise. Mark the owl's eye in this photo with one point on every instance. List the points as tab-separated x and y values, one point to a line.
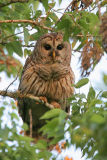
47	46
60	46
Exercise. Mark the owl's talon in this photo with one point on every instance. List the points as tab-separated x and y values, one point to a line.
43	99
55	104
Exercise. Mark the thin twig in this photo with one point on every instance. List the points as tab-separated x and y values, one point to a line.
12	35
30	116
26	21
65	11
28	46
11	83
14	79
99	9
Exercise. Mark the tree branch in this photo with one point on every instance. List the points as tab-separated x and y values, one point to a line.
65	11
31	122
12	1
12	35
14	79
26	21
19	95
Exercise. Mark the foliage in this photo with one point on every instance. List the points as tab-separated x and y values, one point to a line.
16	37
15	146
88	127
86	124
22	22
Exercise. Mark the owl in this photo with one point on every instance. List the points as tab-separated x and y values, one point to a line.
46	73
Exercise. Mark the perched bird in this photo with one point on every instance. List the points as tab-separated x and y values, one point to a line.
46	74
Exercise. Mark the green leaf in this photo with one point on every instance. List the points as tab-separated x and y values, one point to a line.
93	22
27	52
1	111
89	22
14	115
35	4
26	36
35	36
104	94
103	3
105	79
82	82
52	113
97	118
44	154
50	127
83	41
45	4
25	126
60	1
41	144
37	14
9	49
53	16
91	94
65	25
94	102
51	5
74	43
15	47
55	140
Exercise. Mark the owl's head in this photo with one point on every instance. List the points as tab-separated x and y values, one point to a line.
51	48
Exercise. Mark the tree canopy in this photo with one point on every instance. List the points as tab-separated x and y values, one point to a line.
84	24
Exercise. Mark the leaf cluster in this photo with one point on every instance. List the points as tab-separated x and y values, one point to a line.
16	146
88	125
78	25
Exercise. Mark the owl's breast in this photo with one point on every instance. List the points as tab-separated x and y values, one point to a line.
54	71
53	83
57	90
53	88
60	89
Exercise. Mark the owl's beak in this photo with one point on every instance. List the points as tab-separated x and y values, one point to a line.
53	54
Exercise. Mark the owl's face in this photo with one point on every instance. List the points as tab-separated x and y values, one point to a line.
51	48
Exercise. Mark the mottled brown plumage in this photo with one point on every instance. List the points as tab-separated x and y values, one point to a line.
46	73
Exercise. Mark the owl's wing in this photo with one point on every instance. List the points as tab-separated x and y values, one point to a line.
28	61
26	103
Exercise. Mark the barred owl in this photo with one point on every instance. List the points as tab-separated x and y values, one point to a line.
46	73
